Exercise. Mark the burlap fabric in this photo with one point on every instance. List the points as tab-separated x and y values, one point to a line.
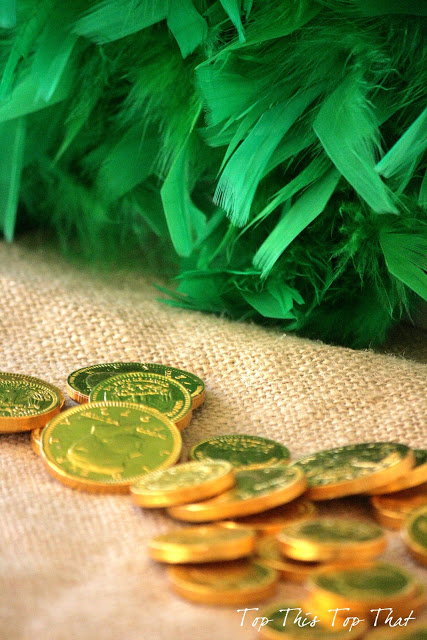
74	565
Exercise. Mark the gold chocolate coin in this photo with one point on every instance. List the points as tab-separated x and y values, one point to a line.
107	446
292	620
149	389
238	582
415	534
268	553
392	509
256	490
414	631
243	451
326	539
26	402
183	483
413	478
273	520
355	468
36	435
201	544
363	588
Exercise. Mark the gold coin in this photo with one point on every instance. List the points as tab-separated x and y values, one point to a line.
414	631
36	435
237	582
273	520
415	534
107	446
326	539
27	402
256	490
392	509
183	483
201	544
242	450
149	389
413	605
293	620
413	478
355	468
363	588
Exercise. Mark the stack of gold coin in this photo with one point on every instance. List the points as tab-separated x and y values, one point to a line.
270	522
414	478
392	509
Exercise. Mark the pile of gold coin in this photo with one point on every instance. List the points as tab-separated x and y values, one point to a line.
252	509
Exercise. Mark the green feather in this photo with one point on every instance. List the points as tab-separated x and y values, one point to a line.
187	25
7	14
276	300
406	259
348	131
232	9
12	143
296	219
244	170
111	20
422	198
406	150
25	98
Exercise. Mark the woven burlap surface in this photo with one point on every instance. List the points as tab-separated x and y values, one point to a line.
74	565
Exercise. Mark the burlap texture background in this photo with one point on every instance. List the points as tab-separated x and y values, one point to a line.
73	565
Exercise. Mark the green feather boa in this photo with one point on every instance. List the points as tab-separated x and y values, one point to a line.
274	149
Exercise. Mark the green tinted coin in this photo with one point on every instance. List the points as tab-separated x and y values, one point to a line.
108	446
365	586
415	533
355	468
243	451
291	620
190	381
149	389
414	631
81	382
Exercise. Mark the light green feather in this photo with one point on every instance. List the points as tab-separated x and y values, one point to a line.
406	259
187	25
12	143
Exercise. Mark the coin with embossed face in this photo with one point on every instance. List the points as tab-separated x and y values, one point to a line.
183	483
107	446
413	478
201	544
256	490
225	583
326	539
415	534
26	402
150	389
355	468
81	382
243	451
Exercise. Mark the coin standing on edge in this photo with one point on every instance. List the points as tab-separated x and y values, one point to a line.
201	544
256	490
149	389
243	451
183	483
415	534
237	582
330	539
26	402
355	468
104	447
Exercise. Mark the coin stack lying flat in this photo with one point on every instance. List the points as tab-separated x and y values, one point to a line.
253	508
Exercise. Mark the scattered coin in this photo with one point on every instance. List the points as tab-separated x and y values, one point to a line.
190	381
26	402
363	588
330	539
243	451
238	582
105	447
183	483
81	382
149	389
415	534
413	478
291	620
256	490
414	631
201	544
353	469
273	520
391	509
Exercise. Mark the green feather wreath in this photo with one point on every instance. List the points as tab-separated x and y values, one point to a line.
276	150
